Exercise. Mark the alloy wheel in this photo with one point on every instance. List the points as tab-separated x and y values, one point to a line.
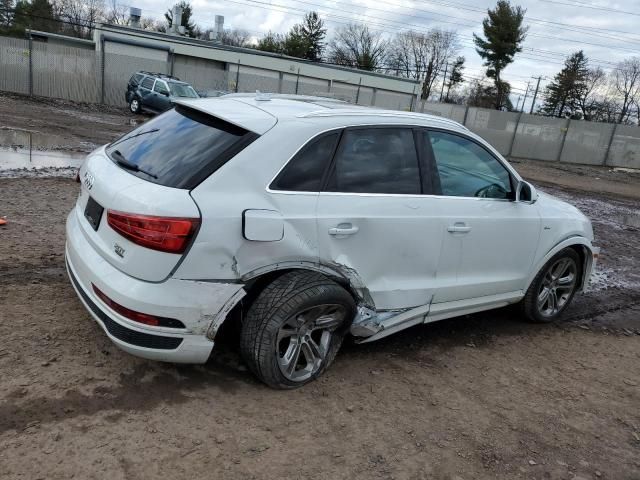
304	339
557	286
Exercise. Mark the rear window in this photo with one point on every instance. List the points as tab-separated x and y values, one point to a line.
148	83
179	148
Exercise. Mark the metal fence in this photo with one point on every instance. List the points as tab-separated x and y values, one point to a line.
86	75
520	135
82	74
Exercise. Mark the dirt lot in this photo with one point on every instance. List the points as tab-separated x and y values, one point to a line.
484	396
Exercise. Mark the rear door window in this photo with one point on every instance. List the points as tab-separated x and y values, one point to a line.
376	160
179	148
160	87
304	172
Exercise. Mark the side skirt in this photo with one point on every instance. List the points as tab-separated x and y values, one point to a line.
372	326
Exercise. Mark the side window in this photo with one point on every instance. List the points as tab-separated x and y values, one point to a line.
148	83
304	172
376	160
160	87
468	170
137	77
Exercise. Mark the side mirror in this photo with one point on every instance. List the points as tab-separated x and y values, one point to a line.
166	94
526	193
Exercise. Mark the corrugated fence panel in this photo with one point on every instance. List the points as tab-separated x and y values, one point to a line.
539	137
344	91
14	65
313	86
447	110
65	72
586	142
366	96
625	147
203	74
252	79
119	68
494	126
392	100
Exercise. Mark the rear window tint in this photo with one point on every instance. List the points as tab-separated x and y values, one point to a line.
179	148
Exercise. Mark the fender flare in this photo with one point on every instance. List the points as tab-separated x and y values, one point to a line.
567	242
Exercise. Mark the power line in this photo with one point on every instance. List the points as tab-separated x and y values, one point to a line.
593	7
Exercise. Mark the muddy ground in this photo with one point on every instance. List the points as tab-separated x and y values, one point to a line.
480	397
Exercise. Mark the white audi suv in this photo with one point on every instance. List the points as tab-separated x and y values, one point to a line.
304	221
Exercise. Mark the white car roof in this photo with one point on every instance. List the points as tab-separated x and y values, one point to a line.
260	113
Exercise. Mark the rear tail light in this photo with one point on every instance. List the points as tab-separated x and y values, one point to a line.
165	234
137	316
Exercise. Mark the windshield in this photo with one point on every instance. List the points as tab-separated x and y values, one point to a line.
182	90
179	148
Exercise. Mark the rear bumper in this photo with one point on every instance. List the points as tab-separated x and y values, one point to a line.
196	304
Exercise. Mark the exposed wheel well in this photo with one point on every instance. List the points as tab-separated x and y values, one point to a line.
229	331
584	255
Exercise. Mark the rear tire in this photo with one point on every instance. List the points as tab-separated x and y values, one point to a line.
553	288
294	328
134	105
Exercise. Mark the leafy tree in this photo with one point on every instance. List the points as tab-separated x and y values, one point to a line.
313	31
187	13
295	44
356	46
504	34
563	94
455	77
484	95
35	15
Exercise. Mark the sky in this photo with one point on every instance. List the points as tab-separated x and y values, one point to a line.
605	30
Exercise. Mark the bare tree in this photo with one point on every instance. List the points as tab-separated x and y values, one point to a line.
626	81
151	24
236	37
80	16
423	55
356	46
591	93
117	14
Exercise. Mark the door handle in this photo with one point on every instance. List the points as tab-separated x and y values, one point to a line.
344	229
458	227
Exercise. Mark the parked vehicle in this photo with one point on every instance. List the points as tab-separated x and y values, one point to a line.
155	92
307	221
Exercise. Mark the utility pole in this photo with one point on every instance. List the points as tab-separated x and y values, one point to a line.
443	80
535	94
525	97
518	102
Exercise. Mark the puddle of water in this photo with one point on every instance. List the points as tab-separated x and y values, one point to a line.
11	159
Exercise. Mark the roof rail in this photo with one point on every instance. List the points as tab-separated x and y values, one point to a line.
369	112
156	74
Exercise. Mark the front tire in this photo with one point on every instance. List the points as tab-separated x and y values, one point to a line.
553	288
294	328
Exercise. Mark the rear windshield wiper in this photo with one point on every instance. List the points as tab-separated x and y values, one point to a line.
134	136
124	163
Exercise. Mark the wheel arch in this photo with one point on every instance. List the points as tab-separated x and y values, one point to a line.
257	280
583	248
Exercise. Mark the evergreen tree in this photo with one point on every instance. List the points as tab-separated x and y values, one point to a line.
564	94
312	29
6	14
295	44
187	12
455	77
271	42
504	34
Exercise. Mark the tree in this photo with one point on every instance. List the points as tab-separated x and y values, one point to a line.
563	94
422	55
6	14
356	46
118	14
455	77
235	38
314	32
294	42
589	102
271	42
626	82
187	13
484	96
504	34
79	16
